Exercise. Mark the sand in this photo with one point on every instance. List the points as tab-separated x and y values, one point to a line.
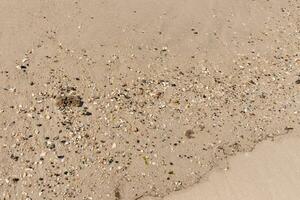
271	171
130	99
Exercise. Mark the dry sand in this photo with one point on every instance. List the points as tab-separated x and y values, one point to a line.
126	99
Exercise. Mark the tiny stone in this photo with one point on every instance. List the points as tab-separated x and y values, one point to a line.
15	180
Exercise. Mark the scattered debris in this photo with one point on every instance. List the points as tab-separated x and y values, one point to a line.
190	134
69	101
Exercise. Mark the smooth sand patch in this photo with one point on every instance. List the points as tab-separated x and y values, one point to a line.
271	172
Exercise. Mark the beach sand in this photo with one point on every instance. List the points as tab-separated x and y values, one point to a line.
271	171
123	100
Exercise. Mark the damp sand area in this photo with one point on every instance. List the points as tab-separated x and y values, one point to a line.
125	100
271	171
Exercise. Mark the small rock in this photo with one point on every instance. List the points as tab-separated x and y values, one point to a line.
86	113
61	157
15	180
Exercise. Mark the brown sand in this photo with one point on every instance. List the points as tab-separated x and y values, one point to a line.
127	99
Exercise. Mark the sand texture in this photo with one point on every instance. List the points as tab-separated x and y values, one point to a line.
122	100
271	172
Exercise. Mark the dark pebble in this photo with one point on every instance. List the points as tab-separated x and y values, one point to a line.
15	180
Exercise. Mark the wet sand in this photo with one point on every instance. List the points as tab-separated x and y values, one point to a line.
271	171
127	99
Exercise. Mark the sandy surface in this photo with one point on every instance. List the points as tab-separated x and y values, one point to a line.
271	171
127	99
